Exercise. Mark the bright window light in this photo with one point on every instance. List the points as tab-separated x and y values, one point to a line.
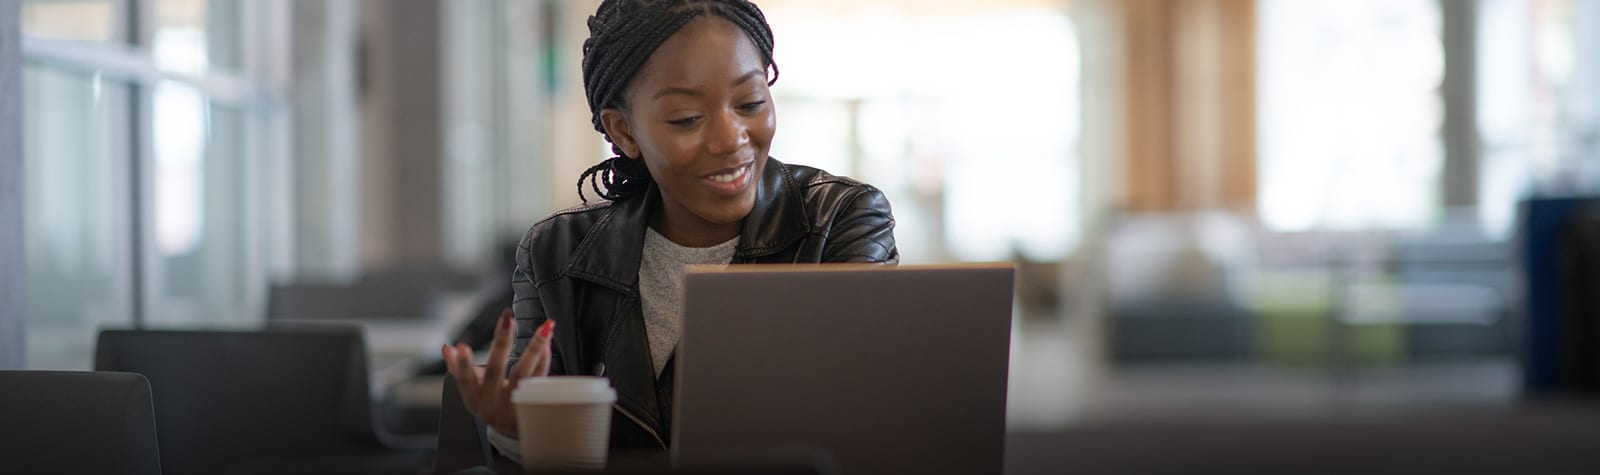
1350	113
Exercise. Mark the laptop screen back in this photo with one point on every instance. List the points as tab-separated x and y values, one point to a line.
890	369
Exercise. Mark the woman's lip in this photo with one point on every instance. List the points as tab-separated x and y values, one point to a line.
728	170
730	188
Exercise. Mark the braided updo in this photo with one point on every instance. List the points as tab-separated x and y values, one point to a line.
622	35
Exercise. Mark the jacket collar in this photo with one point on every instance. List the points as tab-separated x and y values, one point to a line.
777	220
779	217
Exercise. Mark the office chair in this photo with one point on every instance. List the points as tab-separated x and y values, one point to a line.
462	442
280	399
76	422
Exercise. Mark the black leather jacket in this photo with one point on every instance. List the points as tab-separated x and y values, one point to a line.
581	267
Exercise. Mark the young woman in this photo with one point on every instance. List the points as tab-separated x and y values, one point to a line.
680	89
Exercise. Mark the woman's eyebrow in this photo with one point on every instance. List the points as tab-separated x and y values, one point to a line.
676	90
746	77
666	91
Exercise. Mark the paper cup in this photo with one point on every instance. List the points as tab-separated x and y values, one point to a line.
564	422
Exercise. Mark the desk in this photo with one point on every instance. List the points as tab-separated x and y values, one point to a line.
752	462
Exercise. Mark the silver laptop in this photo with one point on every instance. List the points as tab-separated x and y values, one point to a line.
888	369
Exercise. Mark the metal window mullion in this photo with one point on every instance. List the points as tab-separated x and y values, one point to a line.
13	283
1459	93
130	63
132	28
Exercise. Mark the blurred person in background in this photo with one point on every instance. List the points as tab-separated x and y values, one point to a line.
680	88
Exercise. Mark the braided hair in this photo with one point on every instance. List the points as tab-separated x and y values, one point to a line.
622	35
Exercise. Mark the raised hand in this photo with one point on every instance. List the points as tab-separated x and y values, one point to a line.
486	390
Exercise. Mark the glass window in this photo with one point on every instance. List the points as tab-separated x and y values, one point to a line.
198	254
1533	116
1349	113
76	226
935	108
194	36
198	202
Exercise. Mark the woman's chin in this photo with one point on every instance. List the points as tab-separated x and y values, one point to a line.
733	213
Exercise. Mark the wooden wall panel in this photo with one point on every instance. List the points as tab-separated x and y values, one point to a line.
1190	104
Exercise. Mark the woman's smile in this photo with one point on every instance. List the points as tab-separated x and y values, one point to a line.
729	182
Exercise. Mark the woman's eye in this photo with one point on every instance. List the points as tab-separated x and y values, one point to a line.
684	122
752	106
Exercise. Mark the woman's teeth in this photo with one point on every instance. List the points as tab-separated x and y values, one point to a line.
729	177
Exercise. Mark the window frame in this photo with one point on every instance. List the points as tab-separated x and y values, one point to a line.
256	89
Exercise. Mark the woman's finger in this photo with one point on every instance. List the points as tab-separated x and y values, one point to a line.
499	351
449	360
543	367
469	396
464	361
538	349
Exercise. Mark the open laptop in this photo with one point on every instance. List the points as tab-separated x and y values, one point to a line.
889	369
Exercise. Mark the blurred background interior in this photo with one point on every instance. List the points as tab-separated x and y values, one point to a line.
1223	210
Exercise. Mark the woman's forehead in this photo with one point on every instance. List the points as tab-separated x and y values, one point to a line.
709	51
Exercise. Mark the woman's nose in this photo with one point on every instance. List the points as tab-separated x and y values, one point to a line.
726	134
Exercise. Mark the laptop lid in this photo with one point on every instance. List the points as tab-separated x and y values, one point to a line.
890	369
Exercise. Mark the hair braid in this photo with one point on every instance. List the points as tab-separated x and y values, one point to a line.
622	35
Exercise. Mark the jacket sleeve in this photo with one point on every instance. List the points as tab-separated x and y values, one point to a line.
526	304
863	231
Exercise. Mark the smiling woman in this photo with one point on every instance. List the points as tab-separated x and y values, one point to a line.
682	91
701	124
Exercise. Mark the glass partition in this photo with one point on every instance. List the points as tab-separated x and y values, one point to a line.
76	232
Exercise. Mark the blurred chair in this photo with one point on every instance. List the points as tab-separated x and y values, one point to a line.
1168	279
1559	329
71	422
1449	287
282	399
389	294
354	302
462	442
401	309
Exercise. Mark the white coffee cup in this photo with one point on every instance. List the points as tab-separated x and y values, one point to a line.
564	422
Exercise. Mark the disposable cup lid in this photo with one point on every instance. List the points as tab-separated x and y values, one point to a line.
564	390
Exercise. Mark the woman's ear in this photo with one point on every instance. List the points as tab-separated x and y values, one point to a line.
620	131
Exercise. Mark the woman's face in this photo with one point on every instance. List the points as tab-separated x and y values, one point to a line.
700	115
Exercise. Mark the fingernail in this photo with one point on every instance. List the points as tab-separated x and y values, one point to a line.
544	330
505	321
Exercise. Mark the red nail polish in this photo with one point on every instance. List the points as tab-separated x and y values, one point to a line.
505	321
544	330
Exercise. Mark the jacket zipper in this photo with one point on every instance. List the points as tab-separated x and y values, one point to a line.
641	424
601	371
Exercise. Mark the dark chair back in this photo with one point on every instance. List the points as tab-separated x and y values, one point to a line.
226	398
75	422
462	442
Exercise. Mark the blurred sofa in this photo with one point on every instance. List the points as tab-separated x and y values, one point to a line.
1215	285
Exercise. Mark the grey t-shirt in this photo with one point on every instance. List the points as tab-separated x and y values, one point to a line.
661	273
